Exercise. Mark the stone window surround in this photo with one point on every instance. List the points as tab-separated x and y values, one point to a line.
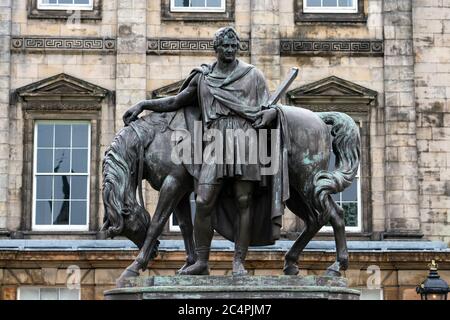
31	116
208	17
35	13
81	106
301	17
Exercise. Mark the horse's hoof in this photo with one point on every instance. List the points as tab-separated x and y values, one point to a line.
197	269
334	270
186	265
126	275
240	273
332	273
291	270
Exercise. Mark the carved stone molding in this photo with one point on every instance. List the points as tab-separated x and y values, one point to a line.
63	44
169	90
62	92
188	46
333	94
329	47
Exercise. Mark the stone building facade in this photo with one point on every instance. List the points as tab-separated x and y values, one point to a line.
386	63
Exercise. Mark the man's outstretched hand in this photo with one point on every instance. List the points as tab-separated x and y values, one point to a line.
265	118
132	114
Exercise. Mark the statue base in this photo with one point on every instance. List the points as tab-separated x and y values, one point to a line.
233	287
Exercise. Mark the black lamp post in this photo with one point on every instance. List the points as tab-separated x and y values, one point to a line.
433	288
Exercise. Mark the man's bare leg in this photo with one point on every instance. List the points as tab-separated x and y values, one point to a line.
243	191
203	231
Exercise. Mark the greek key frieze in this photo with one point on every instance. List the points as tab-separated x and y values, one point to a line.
299	47
180	46
62	44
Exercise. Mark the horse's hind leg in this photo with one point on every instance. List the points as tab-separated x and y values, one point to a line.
299	208
338	224
183	214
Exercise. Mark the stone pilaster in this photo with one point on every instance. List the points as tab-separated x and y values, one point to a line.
131	56
5	73
265	40
131	77
432	90
401	181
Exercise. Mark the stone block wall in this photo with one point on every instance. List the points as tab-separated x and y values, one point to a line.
5	78
408	166
431	39
401	168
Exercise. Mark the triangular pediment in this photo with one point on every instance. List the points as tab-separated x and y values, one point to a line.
332	86
61	86
169	90
333	91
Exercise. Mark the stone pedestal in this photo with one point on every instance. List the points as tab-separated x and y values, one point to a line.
229	287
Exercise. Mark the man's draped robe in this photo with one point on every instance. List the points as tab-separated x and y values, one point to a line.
243	93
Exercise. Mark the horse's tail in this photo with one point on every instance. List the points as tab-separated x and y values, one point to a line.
123	214
347	149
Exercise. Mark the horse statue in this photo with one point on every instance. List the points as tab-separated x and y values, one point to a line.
143	151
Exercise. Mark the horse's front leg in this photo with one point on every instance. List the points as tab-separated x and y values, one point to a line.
171	193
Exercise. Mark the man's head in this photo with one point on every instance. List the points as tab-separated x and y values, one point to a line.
226	44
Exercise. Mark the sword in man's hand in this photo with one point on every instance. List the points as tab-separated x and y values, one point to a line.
282	88
276	96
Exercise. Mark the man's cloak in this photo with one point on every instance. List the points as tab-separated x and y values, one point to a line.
243	92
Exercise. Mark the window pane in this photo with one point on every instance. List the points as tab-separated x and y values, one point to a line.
213	3
49	294
62	160
62	188
80	135
69	294
79	187
61	213
78	213
351	193
45	135
314	3
65	1
81	1
29	293
329	3
43	212
346	3
351	214
198	3
48	1
79	160
44	161
44	188
181	3
62	135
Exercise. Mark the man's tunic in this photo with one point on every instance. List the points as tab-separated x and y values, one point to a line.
233	103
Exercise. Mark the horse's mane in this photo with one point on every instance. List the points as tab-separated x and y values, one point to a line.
123	214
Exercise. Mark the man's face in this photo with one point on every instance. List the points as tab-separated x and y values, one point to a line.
226	51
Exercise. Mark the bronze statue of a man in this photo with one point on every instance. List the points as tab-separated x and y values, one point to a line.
231	95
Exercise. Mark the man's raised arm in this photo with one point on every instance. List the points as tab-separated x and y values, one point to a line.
168	104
